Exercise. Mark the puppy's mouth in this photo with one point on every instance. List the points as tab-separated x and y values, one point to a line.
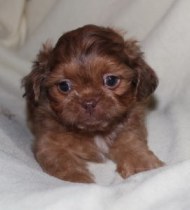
93	125
98	126
91	121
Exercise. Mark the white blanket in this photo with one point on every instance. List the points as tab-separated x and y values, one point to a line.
163	27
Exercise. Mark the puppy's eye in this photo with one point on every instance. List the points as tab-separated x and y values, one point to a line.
111	81
65	86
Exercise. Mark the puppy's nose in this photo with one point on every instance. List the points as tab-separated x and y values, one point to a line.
89	105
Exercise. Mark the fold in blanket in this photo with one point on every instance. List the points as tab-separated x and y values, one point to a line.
163	29
12	30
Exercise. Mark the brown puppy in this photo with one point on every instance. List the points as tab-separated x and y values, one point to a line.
86	100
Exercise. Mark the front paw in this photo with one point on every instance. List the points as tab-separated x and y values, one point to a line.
134	164
75	176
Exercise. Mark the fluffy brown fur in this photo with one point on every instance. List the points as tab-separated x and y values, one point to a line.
86	100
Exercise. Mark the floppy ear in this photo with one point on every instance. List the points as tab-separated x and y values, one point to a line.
145	79
33	81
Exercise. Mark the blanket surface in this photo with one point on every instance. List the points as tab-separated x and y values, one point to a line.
163	29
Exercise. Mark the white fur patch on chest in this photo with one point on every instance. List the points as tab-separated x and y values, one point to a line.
101	144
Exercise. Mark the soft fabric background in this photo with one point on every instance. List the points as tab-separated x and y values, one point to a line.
163	28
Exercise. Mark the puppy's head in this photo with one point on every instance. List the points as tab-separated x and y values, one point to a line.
91	78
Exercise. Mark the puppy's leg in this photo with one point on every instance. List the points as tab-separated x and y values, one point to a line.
64	166
67	162
131	154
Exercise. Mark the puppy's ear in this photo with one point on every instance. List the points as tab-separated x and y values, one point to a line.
145	79
33	81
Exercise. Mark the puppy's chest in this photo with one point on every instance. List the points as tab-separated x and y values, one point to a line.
103	143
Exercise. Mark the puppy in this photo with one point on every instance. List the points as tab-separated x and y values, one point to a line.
86	100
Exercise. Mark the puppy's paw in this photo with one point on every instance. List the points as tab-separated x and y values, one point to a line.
135	164
77	176
82	178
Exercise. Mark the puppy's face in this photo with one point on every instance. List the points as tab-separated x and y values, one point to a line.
91	78
92	94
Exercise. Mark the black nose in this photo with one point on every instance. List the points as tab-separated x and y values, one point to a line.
89	105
